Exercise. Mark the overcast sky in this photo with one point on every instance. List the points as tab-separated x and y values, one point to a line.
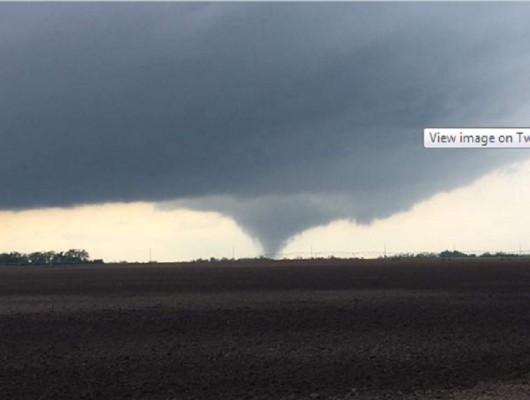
274	118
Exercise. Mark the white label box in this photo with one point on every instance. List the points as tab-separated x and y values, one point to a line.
476	138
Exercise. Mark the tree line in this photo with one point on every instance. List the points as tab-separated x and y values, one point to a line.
460	254
72	256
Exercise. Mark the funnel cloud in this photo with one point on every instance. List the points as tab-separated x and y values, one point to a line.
282	116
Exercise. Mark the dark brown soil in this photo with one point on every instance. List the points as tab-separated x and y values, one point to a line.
283	330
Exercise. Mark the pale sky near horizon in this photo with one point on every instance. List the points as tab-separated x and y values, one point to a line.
207	129
491	214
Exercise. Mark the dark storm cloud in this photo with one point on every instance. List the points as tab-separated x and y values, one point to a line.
281	115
